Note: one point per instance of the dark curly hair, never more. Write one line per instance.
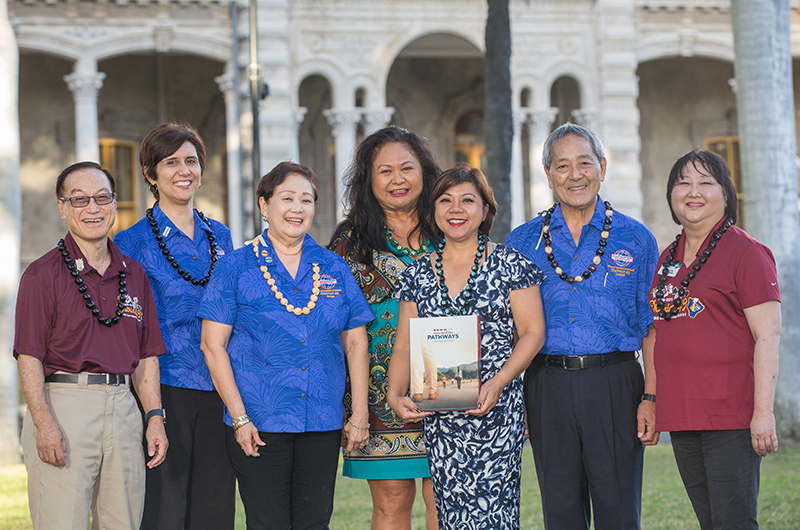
(364, 214)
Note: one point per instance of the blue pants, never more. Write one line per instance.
(583, 433)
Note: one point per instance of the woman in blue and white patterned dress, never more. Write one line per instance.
(474, 456)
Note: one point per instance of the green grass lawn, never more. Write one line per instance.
(664, 502)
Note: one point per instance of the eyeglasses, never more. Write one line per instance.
(82, 201)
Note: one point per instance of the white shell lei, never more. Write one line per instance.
(312, 302)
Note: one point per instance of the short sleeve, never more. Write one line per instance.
(756, 277)
(404, 288)
(33, 318)
(522, 272)
(219, 300)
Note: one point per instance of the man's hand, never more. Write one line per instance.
(157, 442)
(646, 418)
(50, 443)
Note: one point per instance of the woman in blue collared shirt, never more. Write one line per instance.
(279, 320)
(179, 248)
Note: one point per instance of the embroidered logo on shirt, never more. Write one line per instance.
(327, 285)
(131, 307)
(695, 307)
(622, 258)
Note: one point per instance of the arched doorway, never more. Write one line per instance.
(434, 83)
(317, 151)
(565, 94)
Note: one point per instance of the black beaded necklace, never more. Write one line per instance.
(170, 258)
(668, 263)
(82, 288)
(447, 305)
(548, 247)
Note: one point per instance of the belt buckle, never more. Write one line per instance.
(574, 368)
(112, 379)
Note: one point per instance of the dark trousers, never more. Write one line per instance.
(721, 473)
(290, 485)
(195, 487)
(588, 457)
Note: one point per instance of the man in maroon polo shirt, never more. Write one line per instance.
(86, 328)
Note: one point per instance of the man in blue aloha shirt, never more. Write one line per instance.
(584, 390)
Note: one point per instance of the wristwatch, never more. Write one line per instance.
(156, 412)
(649, 397)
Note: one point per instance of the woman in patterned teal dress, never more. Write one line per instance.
(475, 456)
(385, 231)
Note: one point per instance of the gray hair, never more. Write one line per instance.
(566, 130)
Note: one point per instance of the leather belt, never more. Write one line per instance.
(581, 362)
(94, 379)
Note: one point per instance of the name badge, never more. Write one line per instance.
(673, 269)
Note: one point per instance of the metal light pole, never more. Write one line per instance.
(255, 75)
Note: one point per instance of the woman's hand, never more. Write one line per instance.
(404, 407)
(762, 433)
(488, 396)
(354, 438)
(248, 439)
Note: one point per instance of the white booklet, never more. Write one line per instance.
(445, 362)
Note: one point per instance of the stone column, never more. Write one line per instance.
(343, 123)
(84, 83)
(618, 116)
(540, 122)
(233, 144)
(586, 117)
(10, 236)
(517, 185)
(375, 119)
(299, 116)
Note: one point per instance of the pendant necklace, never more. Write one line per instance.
(82, 288)
(171, 259)
(312, 301)
(447, 304)
(598, 253)
(677, 301)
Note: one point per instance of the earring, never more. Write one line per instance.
(264, 218)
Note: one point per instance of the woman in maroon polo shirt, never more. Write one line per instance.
(716, 306)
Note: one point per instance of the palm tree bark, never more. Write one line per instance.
(10, 223)
(768, 149)
(498, 117)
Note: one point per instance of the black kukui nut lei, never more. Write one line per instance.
(82, 288)
(171, 259)
(677, 301)
(598, 253)
(447, 305)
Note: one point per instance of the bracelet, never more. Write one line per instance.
(241, 421)
(649, 397)
(358, 426)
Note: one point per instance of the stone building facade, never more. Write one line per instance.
(653, 77)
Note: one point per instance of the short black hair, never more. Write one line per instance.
(709, 163)
(77, 167)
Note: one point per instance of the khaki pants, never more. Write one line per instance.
(104, 468)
